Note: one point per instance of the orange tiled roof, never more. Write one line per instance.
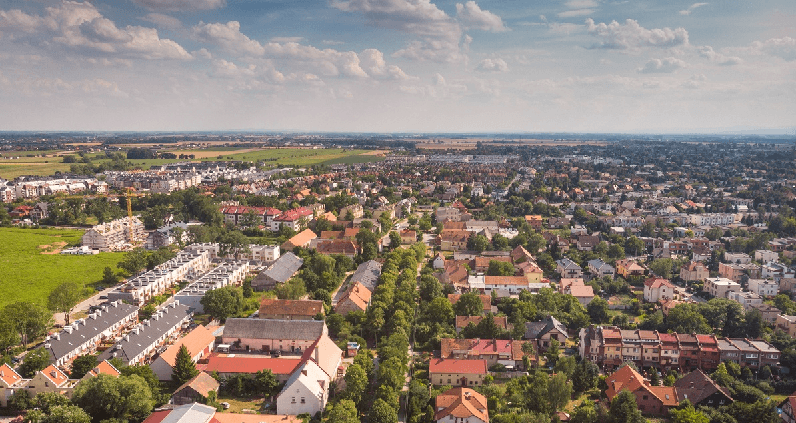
(269, 306)
(195, 341)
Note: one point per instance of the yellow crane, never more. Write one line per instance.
(130, 213)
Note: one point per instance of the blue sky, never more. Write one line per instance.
(398, 65)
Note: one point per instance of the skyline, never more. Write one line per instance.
(384, 66)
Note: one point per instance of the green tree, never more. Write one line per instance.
(634, 245)
(624, 409)
(559, 391)
(686, 318)
(585, 376)
(356, 381)
(344, 411)
(134, 261)
(29, 320)
(294, 289)
(184, 367)
(64, 298)
(109, 277)
(598, 310)
(59, 414)
(108, 397)
(478, 243)
(146, 373)
(82, 365)
(469, 304)
(233, 243)
(686, 413)
(265, 382)
(553, 352)
(500, 268)
(662, 267)
(439, 310)
(223, 302)
(584, 413)
(34, 361)
(395, 239)
(382, 412)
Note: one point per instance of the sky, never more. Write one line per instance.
(649, 66)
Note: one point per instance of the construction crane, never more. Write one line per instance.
(130, 213)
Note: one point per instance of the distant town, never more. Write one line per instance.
(504, 278)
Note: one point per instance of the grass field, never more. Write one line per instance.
(28, 275)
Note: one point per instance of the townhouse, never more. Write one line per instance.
(199, 342)
(227, 274)
(453, 372)
(186, 265)
(494, 351)
(85, 335)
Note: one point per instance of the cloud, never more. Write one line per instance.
(575, 13)
(691, 8)
(581, 4)
(472, 17)
(784, 48)
(667, 65)
(81, 27)
(492, 65)
(630, 35)
(372, 61)
(439, 34)
(181, 5)
(163, 21)
(332, 42)
(287, 39)
(718, 58)
(229, 37)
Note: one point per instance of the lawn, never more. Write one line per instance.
(28, 275)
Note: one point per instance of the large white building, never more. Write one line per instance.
(114, 235)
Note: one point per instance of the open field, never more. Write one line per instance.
(28, 275)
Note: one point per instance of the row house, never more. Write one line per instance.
(143, 342)
(85, 335)
(227, 274)
(186, 265)
(236, 215)
(735, 272)
(609, 347)
(714, 219)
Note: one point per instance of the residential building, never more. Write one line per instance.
(544, 332)
(788, 407)
(296, 219)
(114, 235)
(196, 389)
(454, 239)
(765, 256)
(85, 335)
(461, 405)
(787, 324)
(694, 271)
(448, 213)
(272, 335)
(599, 268)
(50, 379)
(367, 274)
(568, 268)
(272, 308)
(720, 287)
(302, 239)
(140, 344)
(138, 290)
(306, 391)
(280, 272)
(200, 413)
(199, 343)
(454, 372)
(737, 258)
(735, 272)
(167, 235)
(699, 389)
(512, 285)
(494, 351)
(10, 381)
(658, 289)
(344, 247)
(768, 312)
(745, 298)
(627, 268)
(655, 400)
(763, 287)
(463, 321)
(226, 274)
(486, 302)
(234, 364)
(356, 298)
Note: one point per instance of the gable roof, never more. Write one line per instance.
(9, 375)
(486, 301)
(307, 308)
(627, 378)
(696, 386)
(76, 334)
(535, 330)
(305, 330)
(367, 274)
(54, 374)
(104, 367)
(475, 348)
(146, 334)
(243, 364)
(326, 354)
(358, 294)
(254, 418)
(302, 238)
(657, 283)
(448, 365)
(308, 374)
(195, 341)
(463, 321)
(202, 384)
(461, 403)
(284, 267)
(506, 280)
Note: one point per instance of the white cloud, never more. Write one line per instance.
(575, 13)
(332, 42)
(492, 65)
(631, 35)
(287, 39)
(81, 27)
(581, 4)
(439, 33)
(564, 28)
(181, 5)
(229, 37)
(784, 48)
(472, 17)
(372, 61)
(163, 21)
(718, 58)
(667, 65)
(691, 8)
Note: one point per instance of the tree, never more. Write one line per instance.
(356, 382)
(64, 298)
(553, 352)
(108, 397)
(134, 261)
(344, 411)
(29, 320)
(686, 318)
(184, 367)
(223, 302)
(109, 277)
(82, 365)
(477, 243)
(469, 304)
(500, 268)
(584, 413)
(598, 310)
(294, 289)
(624, 409)
(662, 267)
(35, 360)
(685, 413)
(233, 243)
(559, 391)
(634, 245)
(395, 239)
(59, 414)
(265, 382)
(585, 376)
(382, 412)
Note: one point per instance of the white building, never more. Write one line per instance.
(763, 287)
(719, 287)
(765, 256)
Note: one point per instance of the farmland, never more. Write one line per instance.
(28, 275)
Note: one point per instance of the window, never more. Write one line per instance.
(303, 401)
(644, 397)
(449, 381)
(293, 400)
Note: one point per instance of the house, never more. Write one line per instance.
(655, 400)
(448, 213)
(461, 405)
(486, 302)
(768, 312)
(142, 342)
(737, 258)
(453, 239)
(542, 333)
(510, 284)
(599, 268)
(534, 221)
(84, 336)
(167, 235)
(356, 298)
(272, 335)
(788, 407)
(658, 289)
(765, 256)
(337, 246)
(195, 390)
(694, 271)
(200, 413)
(584, 293)
(531, 271)
(463, 321)
(367, 274)
(439, 262)
(301, 239)
(296, 219)
(408, 236)
(199, 343)
(272, 308)
(700, 389)
(763, 287)
(231, 365)
(50, 379)
(443, 371)
(10, 381)
(787, 324)
(307, 391)
(568, 268)
(104, 367)
(280, 272)
(735, 271)
(587, 242)
(481, 263)
(720, 287)
(494, 351)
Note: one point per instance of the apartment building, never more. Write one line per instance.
(720, 287)
(186, 265)
(114, 235)
(227, 274)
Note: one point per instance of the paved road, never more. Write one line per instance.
(83, 306)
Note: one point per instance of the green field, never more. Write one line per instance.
(28, 275)
(10, 169)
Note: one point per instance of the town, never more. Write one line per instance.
(393, 279)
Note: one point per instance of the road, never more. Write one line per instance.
(83, 306)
